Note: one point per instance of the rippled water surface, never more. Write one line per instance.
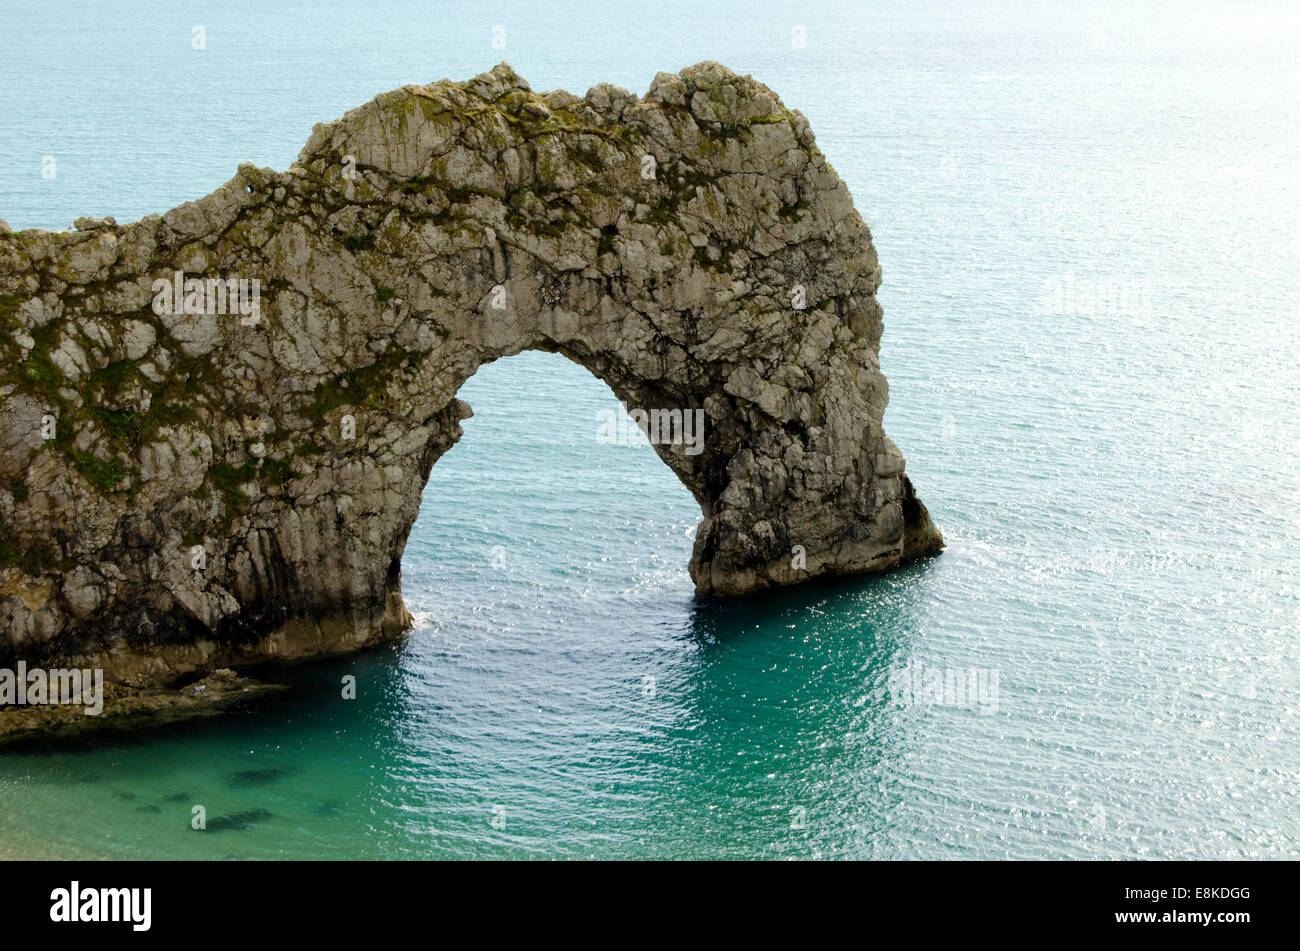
(1087, 224)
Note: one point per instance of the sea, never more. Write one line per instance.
(1086, 216)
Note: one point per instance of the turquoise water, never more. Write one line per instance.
(1087, 224)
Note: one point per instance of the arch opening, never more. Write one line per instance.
(536, 506)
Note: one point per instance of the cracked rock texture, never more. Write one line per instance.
(182, 492)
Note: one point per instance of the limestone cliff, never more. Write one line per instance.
(215, 424)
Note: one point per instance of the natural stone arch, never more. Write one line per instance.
(692, 249)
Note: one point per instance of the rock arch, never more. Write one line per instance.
(230, 485)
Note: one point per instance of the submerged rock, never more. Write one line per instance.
(257, 777)
(129, 708)
(215, 424)
(237, 821)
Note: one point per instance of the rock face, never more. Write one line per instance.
(215, 424)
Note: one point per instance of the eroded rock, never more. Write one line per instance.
(214, 481)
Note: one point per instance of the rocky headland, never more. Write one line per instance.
(215, 423)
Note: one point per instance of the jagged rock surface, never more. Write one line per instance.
(424, 234)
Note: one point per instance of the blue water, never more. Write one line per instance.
(1087, 219)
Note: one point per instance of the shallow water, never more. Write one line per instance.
(1086, 220)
